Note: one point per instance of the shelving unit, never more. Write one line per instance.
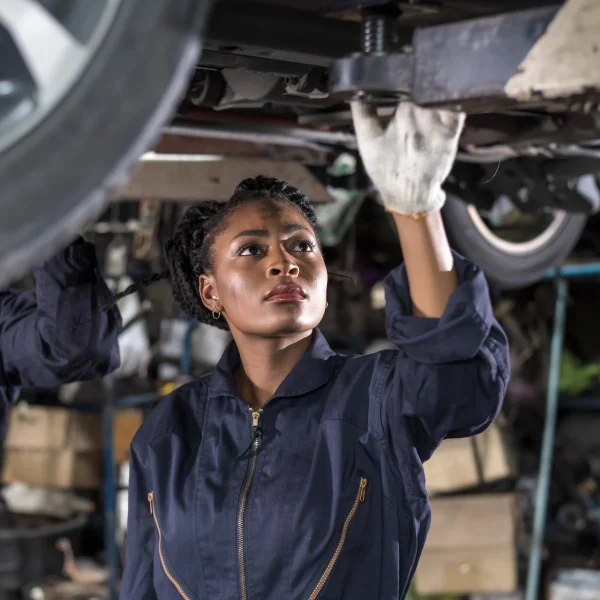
(561, 276)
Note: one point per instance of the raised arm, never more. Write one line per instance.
(408, 160)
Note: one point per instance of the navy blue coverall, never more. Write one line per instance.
(55, 334)
(321, 494)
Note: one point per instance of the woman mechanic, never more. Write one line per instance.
(292, 472)
(56, 334)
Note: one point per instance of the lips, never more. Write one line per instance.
(286, 292)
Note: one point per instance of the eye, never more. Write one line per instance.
(250, 250)
(303, 246)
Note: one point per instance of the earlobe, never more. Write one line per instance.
(208, 293)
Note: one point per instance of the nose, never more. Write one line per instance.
(283, 266)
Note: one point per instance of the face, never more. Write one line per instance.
(269, 277)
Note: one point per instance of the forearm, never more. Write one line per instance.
(428, 261)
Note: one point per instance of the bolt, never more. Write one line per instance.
(374, 34)
(379, 30)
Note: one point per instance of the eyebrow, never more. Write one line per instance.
(288, 229)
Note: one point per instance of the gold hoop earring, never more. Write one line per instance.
(216, 315)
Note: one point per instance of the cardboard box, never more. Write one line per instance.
(53, 447)
(460, 464)
(57, 447)
(125, 425)
(471, 547)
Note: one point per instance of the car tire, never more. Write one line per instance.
(59, 177)
(509, 270)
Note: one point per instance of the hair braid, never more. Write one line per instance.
(188, 256)
(146, 281)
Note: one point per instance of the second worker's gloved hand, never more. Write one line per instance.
(408, 160)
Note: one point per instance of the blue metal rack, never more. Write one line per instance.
(561, 277)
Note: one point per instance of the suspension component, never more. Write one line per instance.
(381, 72)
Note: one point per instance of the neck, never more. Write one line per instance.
(266, 362)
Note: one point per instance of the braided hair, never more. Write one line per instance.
(190, 252)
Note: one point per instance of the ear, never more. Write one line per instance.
(209, 294)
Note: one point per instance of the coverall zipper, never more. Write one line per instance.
(242, 509)
(160, 551)
(360, 497)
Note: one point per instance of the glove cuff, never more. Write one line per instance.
(415, 206)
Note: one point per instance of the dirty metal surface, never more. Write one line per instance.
(565, 61)
(473, 60)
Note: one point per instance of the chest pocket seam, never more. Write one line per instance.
(375, 475)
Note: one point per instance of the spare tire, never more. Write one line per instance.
(57, 174)
(510, 264)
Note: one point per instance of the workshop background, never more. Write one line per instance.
(65, 464)
(516, 510)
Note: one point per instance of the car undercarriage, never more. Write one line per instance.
(279, 73)
(526, 73)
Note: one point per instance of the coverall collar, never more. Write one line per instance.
(313, 370)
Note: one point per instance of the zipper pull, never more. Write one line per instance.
(363, 488)
(255, 417)
(151, 502)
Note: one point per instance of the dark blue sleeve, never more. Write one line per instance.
(137, 583)
(450, 377)
(56, 334)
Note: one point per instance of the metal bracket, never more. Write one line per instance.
(466, 65)
(372, 76)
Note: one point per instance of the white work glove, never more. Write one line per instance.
(410, 159)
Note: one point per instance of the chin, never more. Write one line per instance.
(290, 327)
(284, 319)
(292, 323)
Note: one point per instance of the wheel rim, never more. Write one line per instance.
(46, 46)
(528, 236)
